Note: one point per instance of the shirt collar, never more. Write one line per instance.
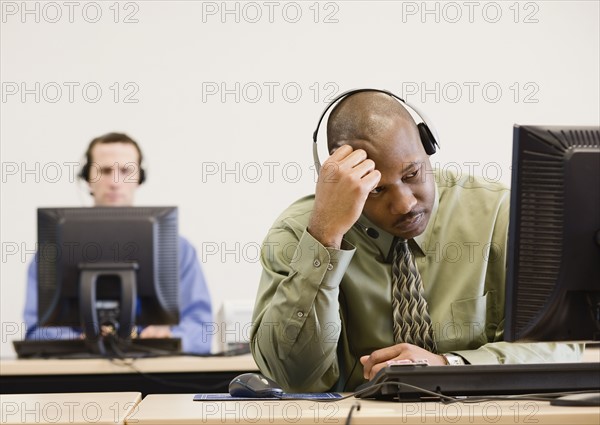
(386, 241)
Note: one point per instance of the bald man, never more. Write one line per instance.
(323, 318)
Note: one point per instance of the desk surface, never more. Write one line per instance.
(73, 408)
(181, 409)
(175, 364)
(148, 376)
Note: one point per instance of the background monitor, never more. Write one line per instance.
(107, 265)
(553, 280)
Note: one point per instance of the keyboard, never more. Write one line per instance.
(481, 380)
(77, 348)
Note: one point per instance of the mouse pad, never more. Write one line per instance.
(285, 396)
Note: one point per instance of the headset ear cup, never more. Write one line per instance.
(427, 139)
(84, 173)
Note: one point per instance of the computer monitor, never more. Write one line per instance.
(553, 280)
(115, 266)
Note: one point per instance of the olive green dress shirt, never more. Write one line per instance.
(319, 309)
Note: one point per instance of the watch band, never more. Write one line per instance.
(453, 359)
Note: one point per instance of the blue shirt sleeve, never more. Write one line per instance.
(195, 323)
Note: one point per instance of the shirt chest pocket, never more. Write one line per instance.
(471, 321)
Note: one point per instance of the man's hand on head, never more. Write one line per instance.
(379, 358)
(345, 180)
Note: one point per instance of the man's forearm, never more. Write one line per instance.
(520, 353)
(300, 357)
(296, 322)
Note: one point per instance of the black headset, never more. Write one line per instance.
(84, 174)
(426, 129)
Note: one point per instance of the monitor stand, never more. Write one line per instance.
(120, 317)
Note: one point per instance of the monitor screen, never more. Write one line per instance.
(553, 278)
(115, 266)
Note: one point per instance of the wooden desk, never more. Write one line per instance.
(206, 374)
(591, 354)
(150, 375)
(73, 408)
(181, 409)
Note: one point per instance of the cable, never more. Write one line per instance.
(419, 389)
(449, 400)
(445, 398)
(150, 351)
(368, 389)
(476, 399)
(354, 406)
(122, 360)
(520, 397)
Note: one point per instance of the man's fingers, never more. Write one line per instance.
(375, 369)
(346, 156)
(385, 354)
(364, 167)
(340, 153)
(378, 358)
(356, 157)
(371, 179)
(370, 370)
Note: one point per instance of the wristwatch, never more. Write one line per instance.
(453, 359)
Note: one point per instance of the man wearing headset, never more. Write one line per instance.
(323, 317)
(113, 173)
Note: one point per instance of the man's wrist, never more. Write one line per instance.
(453, 359)
(326, 240)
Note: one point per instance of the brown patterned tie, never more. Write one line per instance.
(412, 323)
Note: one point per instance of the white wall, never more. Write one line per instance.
(546, 65)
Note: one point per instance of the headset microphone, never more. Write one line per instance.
(368, 230)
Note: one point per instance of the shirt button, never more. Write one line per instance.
(317, 263)
(330, 267)
(300, 314)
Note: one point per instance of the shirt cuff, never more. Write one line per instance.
(453, 359)
(477, 356)
(330, 264)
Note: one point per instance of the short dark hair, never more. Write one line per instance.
(109, 138)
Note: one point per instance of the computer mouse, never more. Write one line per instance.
(254, 385)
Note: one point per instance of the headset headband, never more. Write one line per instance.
(427, 131)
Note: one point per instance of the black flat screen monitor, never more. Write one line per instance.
(553, 280)
(115, 266)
